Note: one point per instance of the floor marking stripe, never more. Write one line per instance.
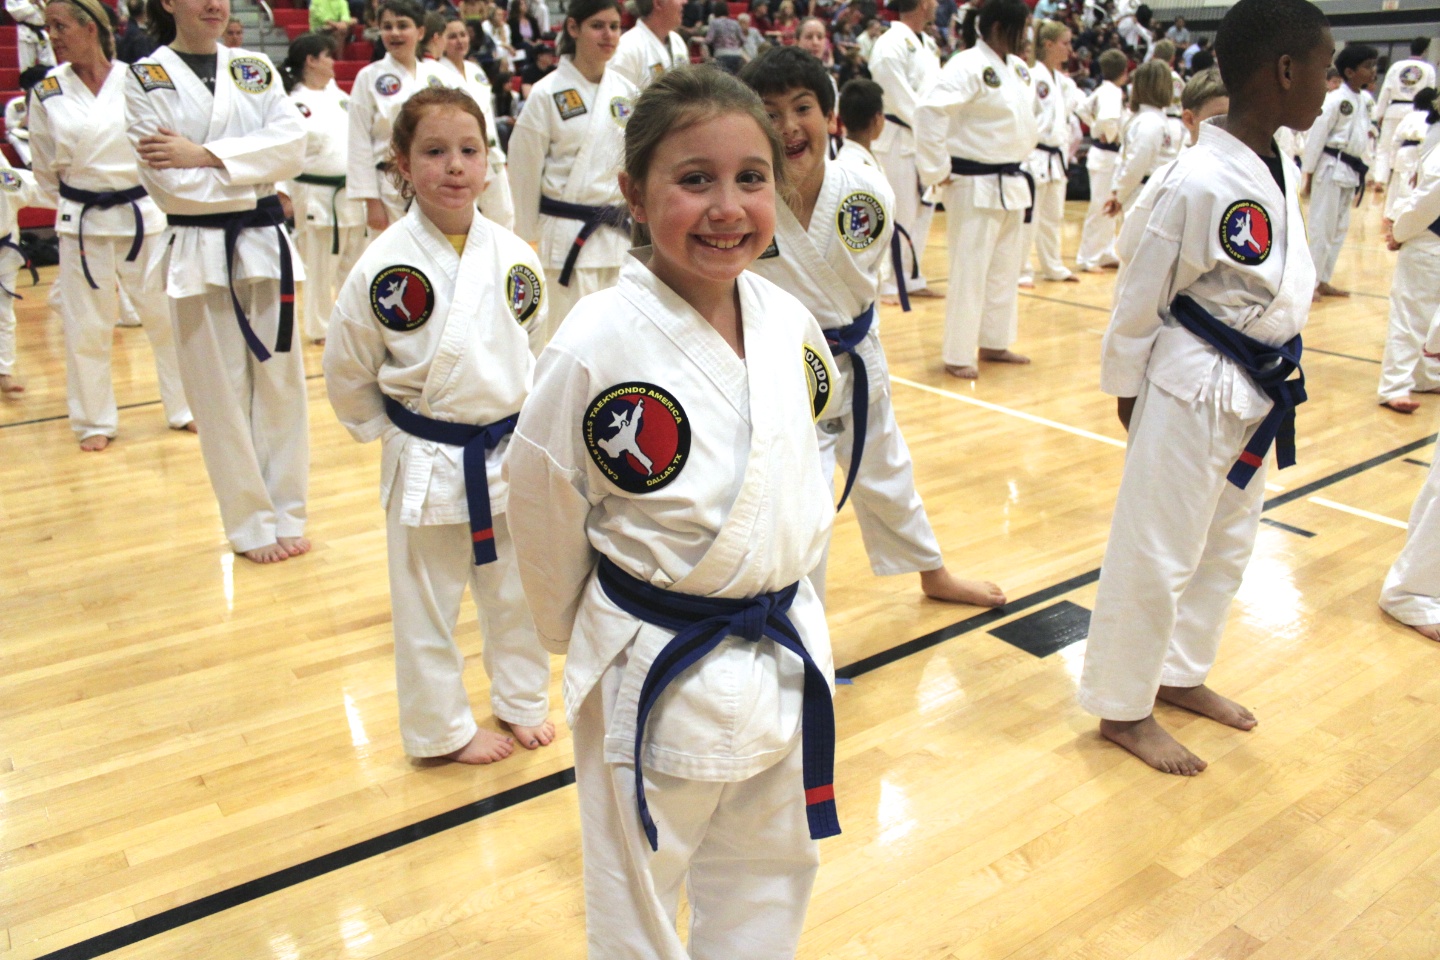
(996, 408)
(1357, 512)
(123, 406)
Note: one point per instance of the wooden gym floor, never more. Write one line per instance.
(199, 756)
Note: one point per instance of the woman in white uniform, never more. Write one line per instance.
(17, 189)
(1414, 293)
(973, 131)
(1058, 97)
(565, 156)
(214, 133)
(1150, 140)
(455, 71)
(107, 224)
(329, 225)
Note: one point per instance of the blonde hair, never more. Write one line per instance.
(91, 11)
(1049, 31)
(1202, 88)
(1152, 85)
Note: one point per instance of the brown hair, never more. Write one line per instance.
(1202, 88)
(1164, 50)
(402, 132)
(1113, 64)
(91, 11)
(1152, 85)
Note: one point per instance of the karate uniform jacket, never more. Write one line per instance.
(18, 189)
(1415, 214)
(641, 56)
(1403, 81)
(1215, 228)
(326, 117)
(254, 130)
(1405, 149)
(377, 95)
(855, 156)
(834, 267)
(1345, 125)
(906, 66)
(1058, 97)
(1103, 112)
(569, 144)
(465, 357)
(732, 504)
(78, 138)
(1151, 140)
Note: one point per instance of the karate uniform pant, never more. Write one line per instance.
(893, 524)
(9, 276)
(1179, 543)
(1329, 220)
(742, 850)
(324, 271)
(1044, 233)
(583, 282)
(1388, 123)
(254, 433)
(497, 203)
(1412, 589)
(89, 317)
(1414, 299)
(32, 50)
(429, 569)
(1097, 236)
(981, 301)
(910, 213)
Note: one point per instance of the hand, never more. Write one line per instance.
(286, 206)
(167, 150)
(1125, 407)
(1112, 206)
(1305, 188)
(376, 217)
(1387, 233)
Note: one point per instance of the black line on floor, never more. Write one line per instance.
(1346, 356)
(125, 406)
(223, 900)
(1418, 463)
(1068, 303)
(1286, 527)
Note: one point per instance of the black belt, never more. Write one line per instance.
(266, 213)
(95, 200)
(336, 183)
(974, 168)
(7, 242)
(1411, 143)
(896, 120)
(1107, 147)
(593, 219)
(845, 340)
(1354, 163)
(1056, 154)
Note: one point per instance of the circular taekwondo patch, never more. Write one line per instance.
(1346, 108)
(638, 435)
(991, 78)
(523, 291)
(1023, 74)
(401, 298)
(1042, 89)
(860, 220)
(820, 379)
(251, 74)
(387, 84)
(1245, 232)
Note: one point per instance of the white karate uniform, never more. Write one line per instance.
(1344, 124)
(253, 429)
(495, 202)
(983, 108)
(1403, 81)
(468, 361)
(1182, 533)
(834, 269)
(1102, 112)
(743, 512)
(1412, 588)
(642, 56)
(1151, 140)
(33, 42)
(1414, 289)
(1405, 148)
(906, 66)
(569, 145)
(1058, 97)
(79, 139)
(859, 157)
(377, 95)
(17, 132)
(17, 189)
(323, 213)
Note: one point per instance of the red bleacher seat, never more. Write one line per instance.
(361, 50)
(281, 4)
(33, 218)
(287, 17)
(888, 14)
(7, 35)
(738, 8)
(293, 30)
(347, 69)
(7, 95)
(10, 155)
(9, 78)
(9, 56)
(345, 84)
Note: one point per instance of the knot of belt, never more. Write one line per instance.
(104, 200)
(336, 183)
(267, 213)
(7, 242)
(591, 218)
(1055, 154)
(476, 442)
(1361, 168)
(844, 340)
(974, 168)
(700, 624)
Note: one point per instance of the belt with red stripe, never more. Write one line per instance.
(267, 213)
(591, 219)
(700, 623)
(476, 441)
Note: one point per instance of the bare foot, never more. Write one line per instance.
(1208, 703)
(485, 747)
(1070, 278)
(188, 428)
(94, 444)
(1325, 290)
(271, 553)
(925, 293)
(532, 737)
(1027, 284)
(890, 301)
(1152, 743)
(293, 546)
(1403, 405)
(1003, 356)
(1430, 631)
(8, 384)
(941, 584)
(964, 373)
(1315, 297)
(320, 342)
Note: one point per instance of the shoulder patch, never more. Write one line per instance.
(1346, 108)
(991, 78)
(48, 87)
(1245, 233)
(152, 76)
(434, 83)
(569, 103)
(657, 70)
(820, 379)
(401, 298)
(387, 84)
(251, 74)
(524, 291)
(860, 220)
(638, 435)
(304, 110)
(1023, 74)
(771, 251)
(345, 104)
(10, 181)
(620, 108)
(1042, 89)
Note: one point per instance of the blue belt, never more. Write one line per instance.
(267, 213)
(699, 624)
(92, 200)
(1411, 143)
(593, 219)
(476, 441)
(1434, 228)
(897, 262)
(973, 168)
(7, 242)
(844, 340)
(336, 184)
(1354, 163)
(1270, 368)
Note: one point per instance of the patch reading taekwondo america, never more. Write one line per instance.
(152, 76)
(387, 84)
(1245, 233)
(638, 435)
(991, 78)
(47, 88)
(401, 298)
(820, 379)
(434, 83)
(1346, 108)
(1023, 74)
(10, 181)
(569, 104)
(620, 108)
(523, 292)
(860, 220)
(251, 74)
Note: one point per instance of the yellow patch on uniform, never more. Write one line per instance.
(47, 88)
(820, 379)
(152, 77)
(569, 103)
